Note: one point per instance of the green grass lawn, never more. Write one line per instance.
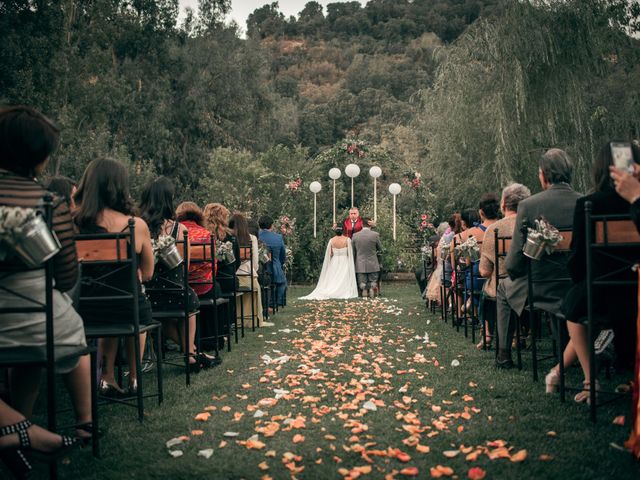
(337, 356)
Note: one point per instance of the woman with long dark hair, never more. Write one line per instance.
(240, 227)
(104, 206)
(157, 209)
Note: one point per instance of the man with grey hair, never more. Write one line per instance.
(556, 204)
(512, 195)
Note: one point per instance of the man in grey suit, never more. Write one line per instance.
(366, 245)
(556, 204)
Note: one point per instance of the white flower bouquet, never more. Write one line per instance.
(426, 253)
(28, 235)
(469, 249)
(542, 239)
(13, 221)
(263, 254)
(224, 252)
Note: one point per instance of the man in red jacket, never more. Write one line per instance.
(353, 224)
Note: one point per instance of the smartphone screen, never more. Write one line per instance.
(622, 156)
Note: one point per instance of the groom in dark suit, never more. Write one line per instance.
(556, 204)
(366, 245)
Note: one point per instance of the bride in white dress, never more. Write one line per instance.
(338, 276)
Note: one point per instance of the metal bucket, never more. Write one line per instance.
(474, 255)
(534, 248)
(171, 257)
(37, 243)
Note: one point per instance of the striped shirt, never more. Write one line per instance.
(19, 191)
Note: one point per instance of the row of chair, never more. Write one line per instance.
(104, 255)
(606, 235)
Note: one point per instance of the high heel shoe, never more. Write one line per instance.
(109, 390)
(552, 380)
(16, 463)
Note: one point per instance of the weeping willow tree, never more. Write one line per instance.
(536, 75)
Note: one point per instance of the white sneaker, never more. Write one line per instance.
(267, 324)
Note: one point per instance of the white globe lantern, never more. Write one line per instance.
(375, 171)
(352, 170)
(395, 189)
(315, 187)
(334, 173)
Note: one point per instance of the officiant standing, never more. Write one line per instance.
(353, 224)
(366, 246)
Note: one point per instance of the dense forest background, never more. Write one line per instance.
(466, 93)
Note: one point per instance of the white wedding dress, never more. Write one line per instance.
(338, 276)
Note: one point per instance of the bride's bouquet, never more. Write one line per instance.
(224, 252)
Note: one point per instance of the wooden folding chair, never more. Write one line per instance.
(102, 256)
(608, 237)
(559, 259)
(49, 355)
(181, 309)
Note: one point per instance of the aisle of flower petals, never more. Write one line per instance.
(346, 391)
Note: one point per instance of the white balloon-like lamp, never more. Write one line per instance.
(375, 172)
(334, 174)
(315, 187)
(352, 170)
(394, 189)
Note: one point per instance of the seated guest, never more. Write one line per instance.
(512, 195)
(275, 244)
(104, 206)
(216, 220)
(432, 292)
(556, 204)
(156, 208)
(190, 215)
(615, 306)
(27, 139)
(64, 187)
(240, 227)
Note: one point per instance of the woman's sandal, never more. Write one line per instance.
(15, 458)
(480, 345)
(583, 396)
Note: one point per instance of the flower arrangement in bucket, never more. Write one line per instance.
(469, 249)
(166, 251)
(263, 254)
(224, 252)
(541, 239)
(26, 232)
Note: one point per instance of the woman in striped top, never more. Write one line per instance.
(27, 138)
